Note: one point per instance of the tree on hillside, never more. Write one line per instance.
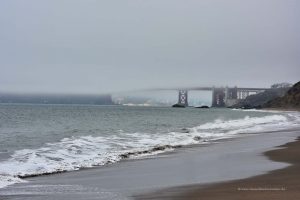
(281, 85)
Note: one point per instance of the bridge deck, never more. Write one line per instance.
(212, 88)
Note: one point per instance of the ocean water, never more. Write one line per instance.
(43, 139)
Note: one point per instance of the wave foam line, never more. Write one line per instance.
(71, 154)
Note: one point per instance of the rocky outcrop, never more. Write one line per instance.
(202, 107)
(178, 106)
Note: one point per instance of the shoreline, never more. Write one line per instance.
(281, 109)
(221, 161)
(276, 184)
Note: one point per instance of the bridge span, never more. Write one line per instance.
(221, 96)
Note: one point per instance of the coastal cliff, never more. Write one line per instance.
(257, 100)
(291, 100)
(274, 98)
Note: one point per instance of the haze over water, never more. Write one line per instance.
(92, 47)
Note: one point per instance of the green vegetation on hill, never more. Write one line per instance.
(291, 100)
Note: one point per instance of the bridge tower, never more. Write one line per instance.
(218, 97)
(231, 96)
(183, 98)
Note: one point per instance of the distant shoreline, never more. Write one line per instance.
(282, 109)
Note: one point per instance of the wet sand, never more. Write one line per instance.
(276, 185)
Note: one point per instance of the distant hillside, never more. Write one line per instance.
(256, 101)
(291, 100)
(56, 99)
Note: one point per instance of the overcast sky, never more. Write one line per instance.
(95, 46)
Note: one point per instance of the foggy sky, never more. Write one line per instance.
(94, 46)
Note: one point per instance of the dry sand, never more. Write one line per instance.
(276, 185)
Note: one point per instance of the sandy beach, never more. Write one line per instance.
(278, 184)
(175, 175)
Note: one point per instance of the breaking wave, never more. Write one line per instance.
(75, 153)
